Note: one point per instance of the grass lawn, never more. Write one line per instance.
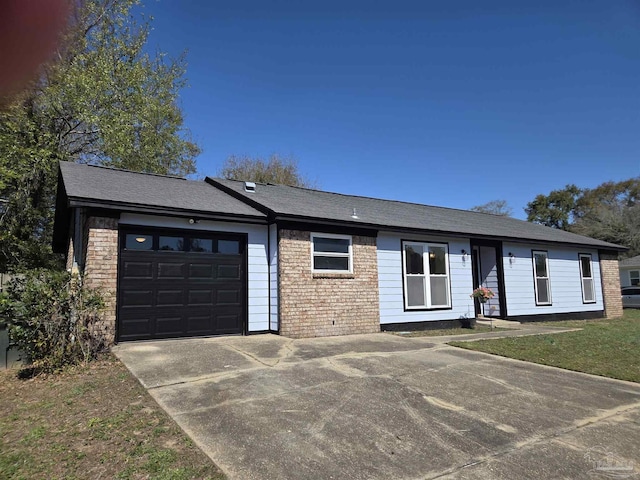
(91, 422)
(610, 348)
(450, 331)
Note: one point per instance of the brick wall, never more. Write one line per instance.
(611, 284)
(317, 305)
(101, 269)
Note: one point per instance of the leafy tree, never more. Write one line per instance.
(495, 207)
(103, 101)
(276, 169)
(609, 212)
(554, 210)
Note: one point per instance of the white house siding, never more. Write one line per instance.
(390, 280)
(625, 275)
(564, 277)
(257, 257)
(273, 276)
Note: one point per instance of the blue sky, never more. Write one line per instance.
(451, 103)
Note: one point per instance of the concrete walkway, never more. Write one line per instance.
(383, 406)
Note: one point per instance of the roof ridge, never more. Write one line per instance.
(367, 197)
(401, 202)
(151, 174)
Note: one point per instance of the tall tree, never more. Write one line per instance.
(494, 207)
(275, 169)
(554, 210)
(103, 101)
(609, 212)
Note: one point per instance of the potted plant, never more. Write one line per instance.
(483, 294)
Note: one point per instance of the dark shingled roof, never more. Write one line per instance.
(302, 203)
(122, 188)
(631, 262)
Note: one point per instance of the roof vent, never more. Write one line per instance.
(354, 215)
(249, 187)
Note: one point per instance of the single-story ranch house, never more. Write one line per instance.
(182, 258)
(630, 271)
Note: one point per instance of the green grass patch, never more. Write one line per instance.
(443, 332)
(92, 422)
(609, 348)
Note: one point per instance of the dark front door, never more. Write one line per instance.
(180, 284)
(488, 271)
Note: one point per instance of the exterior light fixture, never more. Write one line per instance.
(464, 254)
(512, 258)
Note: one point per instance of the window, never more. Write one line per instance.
(634, 277)
(229, 247)
(426, 275)
(541, 277)
(134, 241)
(204, 245)
(331, 253)
(175, 244)
(588, 290)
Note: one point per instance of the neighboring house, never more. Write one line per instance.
(183, 258)
(630, 271)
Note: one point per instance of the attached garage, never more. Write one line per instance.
(180, 283)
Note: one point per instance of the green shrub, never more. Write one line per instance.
(52, 318)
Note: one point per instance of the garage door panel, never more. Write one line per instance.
(164, 293)
(171, 270)
(228, 272)
(200, 297)
(200, 324)
(137, 298)
(202, 271)
(226, 323)
(137, 270)
(169, 325)
(135, 328)
(170, 298)
(228, 296)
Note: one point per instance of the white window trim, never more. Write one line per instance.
(427, 275)
(631, 280)
(536, 277)
(332, 254)
(583, 278)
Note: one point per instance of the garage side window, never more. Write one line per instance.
(331, 253)
(171, 244)
(542, 284)
(588, 290)
(426, 275)
(135, 241)
(204, 245)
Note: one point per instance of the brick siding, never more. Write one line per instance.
(318, 305)
(611, 284)
(101, 269)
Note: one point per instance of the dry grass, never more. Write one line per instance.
(91, 422)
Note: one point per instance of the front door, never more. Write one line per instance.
(487, 268)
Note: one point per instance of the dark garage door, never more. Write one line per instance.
(180, 284)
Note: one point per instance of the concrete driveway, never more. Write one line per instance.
(387, 407)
